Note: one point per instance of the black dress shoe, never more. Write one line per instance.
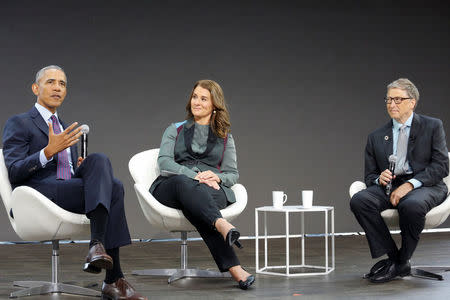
(378, 268)
(233, 238)
(243, 285)
(404, 269)
(392, 272)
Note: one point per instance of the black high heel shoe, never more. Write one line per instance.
(243, 285)
(233, 237)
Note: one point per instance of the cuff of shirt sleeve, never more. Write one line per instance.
(416, 183)
(43, 159)
(377, 181)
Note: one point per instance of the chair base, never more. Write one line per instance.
(418, 271)
(175, 274)
(45, 287)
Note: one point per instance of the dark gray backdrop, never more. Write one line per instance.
(305, 82)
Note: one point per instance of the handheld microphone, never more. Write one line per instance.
(84, 140)
(392, 161)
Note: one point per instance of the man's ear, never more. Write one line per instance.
(35, 88)
(415, 103)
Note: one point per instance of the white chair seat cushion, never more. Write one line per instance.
(38, 219)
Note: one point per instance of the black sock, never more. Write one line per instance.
(393, 256)
(401, 257)
(99, 222)
(116, 272)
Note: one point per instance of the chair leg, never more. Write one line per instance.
(45, 287)
(418, 271)
(184, 271)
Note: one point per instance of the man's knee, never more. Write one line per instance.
(118, 187)
(358, 201)
(412, 210)
(98, 158)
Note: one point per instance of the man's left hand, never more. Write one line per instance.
(400, 192)
(80, 160)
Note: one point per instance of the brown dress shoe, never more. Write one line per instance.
(121, 289)
(97, 259)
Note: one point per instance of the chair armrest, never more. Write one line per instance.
(355, 187)
(235, 209)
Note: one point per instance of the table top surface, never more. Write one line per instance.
(294, 208)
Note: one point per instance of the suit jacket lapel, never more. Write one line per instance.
(387, 140)
(414, 131)
(38, 120)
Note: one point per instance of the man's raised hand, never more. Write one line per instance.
(63, 140)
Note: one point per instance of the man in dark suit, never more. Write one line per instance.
(422, 162)
(40, 151)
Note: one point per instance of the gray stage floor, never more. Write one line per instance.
(26, 262)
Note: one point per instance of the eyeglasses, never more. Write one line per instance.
(397, 100)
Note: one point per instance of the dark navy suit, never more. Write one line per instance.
(427, 155)
(92, 183)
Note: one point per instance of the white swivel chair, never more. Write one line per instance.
(36, 218)
(144, 170)
(433, 218)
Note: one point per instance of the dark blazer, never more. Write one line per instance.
(427, 151)
(24, 136)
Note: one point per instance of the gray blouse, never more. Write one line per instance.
(166, 160)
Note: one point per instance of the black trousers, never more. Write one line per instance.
(368, 204)
(201, 205)
(92, 184)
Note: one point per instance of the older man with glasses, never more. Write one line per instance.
(414, 187)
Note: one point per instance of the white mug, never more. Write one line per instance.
(307, 198)
(279, 198)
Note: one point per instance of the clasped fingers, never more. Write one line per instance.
(208, 175)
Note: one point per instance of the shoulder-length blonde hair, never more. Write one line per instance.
(220, 119)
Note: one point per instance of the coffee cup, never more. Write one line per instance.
(307, 198)
(279, 198)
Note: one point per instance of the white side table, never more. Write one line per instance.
(286, 210)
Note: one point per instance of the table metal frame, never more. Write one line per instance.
(287, 210)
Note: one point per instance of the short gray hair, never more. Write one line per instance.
(41, 72)
(405, 85)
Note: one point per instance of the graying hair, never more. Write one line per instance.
(41, 72)
(405, 85)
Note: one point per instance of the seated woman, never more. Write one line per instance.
(197, 160)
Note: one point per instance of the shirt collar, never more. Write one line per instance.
(45, 113)
(397, 125)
